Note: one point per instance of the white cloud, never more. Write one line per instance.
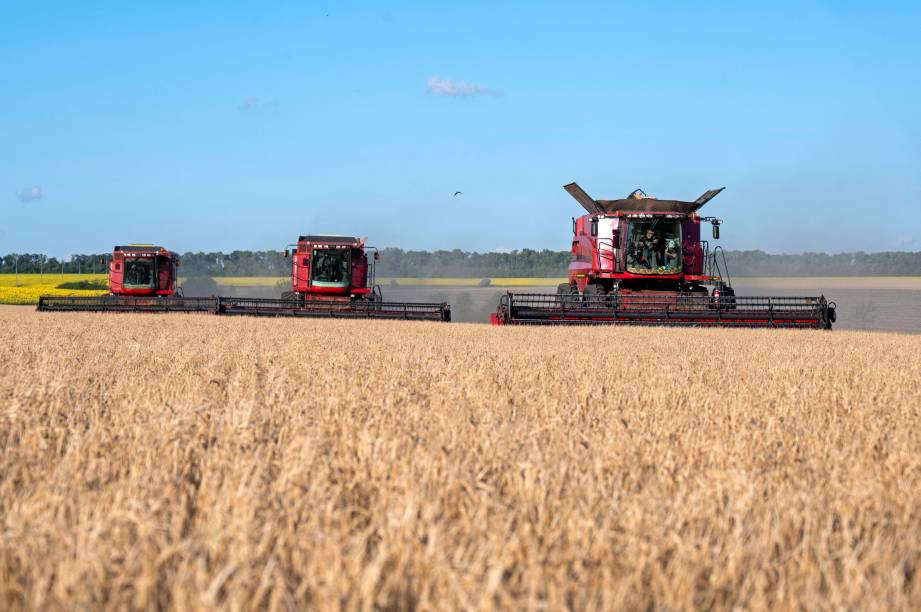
(248, 103)
(30, 195)
(255, 104)
(456, 89)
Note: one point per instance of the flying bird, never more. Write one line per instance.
(456, 193)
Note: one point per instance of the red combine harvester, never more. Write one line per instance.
(332, 268)
(142, 278)
(331, 276)
(640, 260)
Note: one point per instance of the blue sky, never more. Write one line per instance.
(221, 126)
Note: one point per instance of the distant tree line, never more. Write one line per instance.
(29, 263)
(457, 263)
(888, 263)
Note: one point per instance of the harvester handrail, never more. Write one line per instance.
(719, 249)
(607, 255)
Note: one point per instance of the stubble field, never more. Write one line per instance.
(196, 462)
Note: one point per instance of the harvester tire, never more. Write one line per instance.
(612, 300)
(592, 296)
(568, 295)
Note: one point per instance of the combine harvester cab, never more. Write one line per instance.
(334, 276)
(142, 278)
(641, 261)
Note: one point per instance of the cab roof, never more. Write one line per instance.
(139, 248)
(644, 204)
(331, 239)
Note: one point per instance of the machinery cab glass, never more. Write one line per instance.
(653, 246)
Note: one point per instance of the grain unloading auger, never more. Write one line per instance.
(331, 277)
(640, 261)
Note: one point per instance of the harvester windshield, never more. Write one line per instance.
(139, 274)
(654, 246)
(330, 268)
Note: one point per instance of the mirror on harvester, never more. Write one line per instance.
(287, 254)
(716, 231)
(377, 256)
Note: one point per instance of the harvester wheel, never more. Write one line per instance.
(593, 296)
(568, 295)
(694, 298)
(723, 297)
(612, 300)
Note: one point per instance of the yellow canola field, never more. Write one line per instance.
(26, 288)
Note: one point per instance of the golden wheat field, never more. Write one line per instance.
(195, 462)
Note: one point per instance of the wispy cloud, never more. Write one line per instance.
(254, 103)
(30, 195)
(908, 243)
(456, 89)
(248, 103)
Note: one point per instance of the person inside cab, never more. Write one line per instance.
(137, 273)
(646, 250)
(671, 252)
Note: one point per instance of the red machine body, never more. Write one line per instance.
(639, 244)
(142, 270)
(331, 268)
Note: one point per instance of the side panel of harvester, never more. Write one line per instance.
(300, 271)
(583, 261)
(692, 249)
(360, 273)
